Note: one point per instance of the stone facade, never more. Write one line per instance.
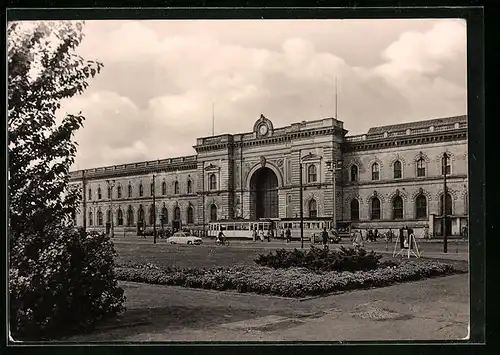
(216, 182)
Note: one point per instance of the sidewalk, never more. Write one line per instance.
(432, 309)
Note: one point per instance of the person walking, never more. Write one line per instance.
(324, 236)
(358, 240)
(261, 235)
(288, 235)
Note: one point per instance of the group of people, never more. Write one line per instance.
(260, 235)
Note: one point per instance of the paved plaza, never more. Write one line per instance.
(431, 309)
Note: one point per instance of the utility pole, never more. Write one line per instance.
(154, 209)
(111, 185)
(84, 202)
(301, 207)
(445, 194)
(334, 181)
(333, 167)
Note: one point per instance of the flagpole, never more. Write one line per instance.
(336, 99)
(213, 118)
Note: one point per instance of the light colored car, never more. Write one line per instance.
(183, 238)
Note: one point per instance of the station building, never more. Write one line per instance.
(389, 177)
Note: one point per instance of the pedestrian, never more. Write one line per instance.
(270, 235)
(261, 235)
(324, 236)
(358, 240)
(255, 235)
(369, 236)
(282, 234)
(375, 235)
(288, 235)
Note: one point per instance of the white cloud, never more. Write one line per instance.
(154, 96)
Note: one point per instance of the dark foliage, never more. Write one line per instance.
(316, 259)
(59, 278)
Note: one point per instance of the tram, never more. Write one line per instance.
(240, 229)
(244, 229)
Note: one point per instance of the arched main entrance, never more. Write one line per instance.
(264, 194)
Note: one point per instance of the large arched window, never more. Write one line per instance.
(164, 215)
(449, 207)
(213, 182)
(189, 186)
(213, 212)
(99, 218)
(176, 187)
(119, 191)
(163, 188)
(140, 215)
(152, 215)
(311, 173)
(313, 209)
(108, 216)
(354, 210)
(397, 208)
(375, 208)
(99, 193)
(375, 171)
(91, 221)
(421, 167)
(120, 217)
(177, 213)
(109, 192)
(129, 190)
(152, 189)
(141, 190)
(421, 206)
(354, 173)
(90, 193)
(190, 215)
(130, 216)
(398, 170)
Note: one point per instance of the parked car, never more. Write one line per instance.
(183, 238)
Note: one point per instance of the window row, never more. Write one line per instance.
(129, 218)
(397, 208)
(397, 170)
(129, 221)
(119, 192)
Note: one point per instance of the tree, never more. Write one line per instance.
(57, 275)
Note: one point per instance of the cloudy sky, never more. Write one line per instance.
(155, 94)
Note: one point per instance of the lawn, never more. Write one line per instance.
(234, 268)
(204, 256)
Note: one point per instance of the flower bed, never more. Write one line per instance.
(292, 282)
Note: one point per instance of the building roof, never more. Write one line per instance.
(418, 124)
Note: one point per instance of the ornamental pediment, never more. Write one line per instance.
(311, 157)
(212, 167)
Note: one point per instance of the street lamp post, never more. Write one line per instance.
(111, 184)
(84, 187)
(333, 167)
(445, 193)
(154, 209)
(301, 208)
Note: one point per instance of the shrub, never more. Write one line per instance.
(70, 286)
(342, 259)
